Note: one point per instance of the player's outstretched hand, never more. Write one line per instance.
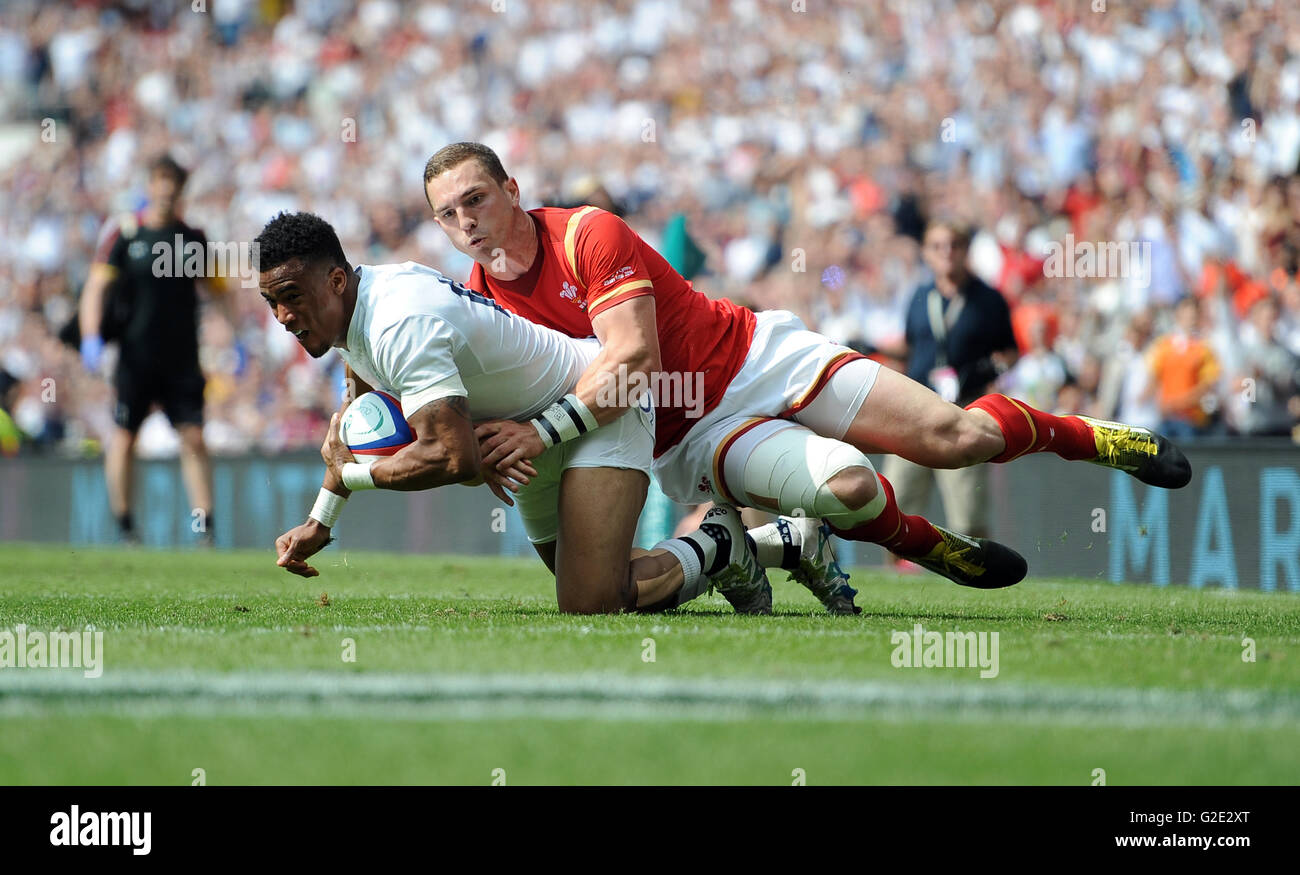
(504, 443)
(296, 546)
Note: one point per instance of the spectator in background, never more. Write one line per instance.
(1267, 392)
(1129, 129)
(958, 338)
(1039, 374)
(1070, 398)
(1087, 381)
(1289, 319)
(158, 359)
(1186, 372)
(1126, 390)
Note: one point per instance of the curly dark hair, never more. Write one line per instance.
(298, 235)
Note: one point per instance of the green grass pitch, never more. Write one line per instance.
(437, 669)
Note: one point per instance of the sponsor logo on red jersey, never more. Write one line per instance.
(621, 274)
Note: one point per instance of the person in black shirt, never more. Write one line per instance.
(158, 360)
(959, 338)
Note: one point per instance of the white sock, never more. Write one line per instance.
(710, 547)
(702, 553)
(711, 544)
(689, 557)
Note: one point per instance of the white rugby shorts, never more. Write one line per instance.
(787, 368)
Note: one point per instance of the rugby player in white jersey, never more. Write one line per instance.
(452, 356)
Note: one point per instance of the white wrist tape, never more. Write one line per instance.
(327, 508)
(564, 420)
(357, 476)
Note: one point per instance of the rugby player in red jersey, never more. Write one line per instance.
(787, 415)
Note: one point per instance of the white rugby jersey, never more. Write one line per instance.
(421, 336)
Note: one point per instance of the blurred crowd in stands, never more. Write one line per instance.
(800, 146)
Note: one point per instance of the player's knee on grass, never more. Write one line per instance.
(583, 588)
(611, 596)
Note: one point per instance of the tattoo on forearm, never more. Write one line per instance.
(459, 405)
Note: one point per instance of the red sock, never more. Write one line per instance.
(1027, 430)
(904, 534)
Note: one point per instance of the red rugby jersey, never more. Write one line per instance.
(589, 260)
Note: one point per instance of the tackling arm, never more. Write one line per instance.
(629, 345)
(629, 341)
(619, 294)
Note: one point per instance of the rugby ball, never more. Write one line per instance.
(373, 426)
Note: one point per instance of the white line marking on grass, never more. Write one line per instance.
(454, 625)
(467, 696)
